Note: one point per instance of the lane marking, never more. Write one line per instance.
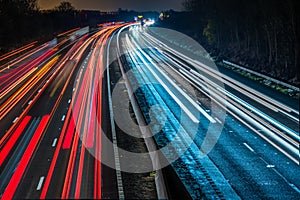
(13, 139)
(63, 118)
(39, 186)
(177, 100)
(219, 121)
(248, 147)
(15, 120)
(69, 101)
(176, 87)
(289, 183)
(263, 160)
(270, 166)
(274, 169)
(23, 164)
(113, 130)
(54, 142)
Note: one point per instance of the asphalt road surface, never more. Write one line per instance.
(61, 122)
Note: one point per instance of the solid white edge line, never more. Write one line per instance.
(113, 128)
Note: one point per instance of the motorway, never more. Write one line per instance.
(56, 93)
(61, 121)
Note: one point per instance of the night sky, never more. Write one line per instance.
(111, 5)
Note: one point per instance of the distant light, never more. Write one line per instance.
(149, 22)
(161, 16)
(135, 18)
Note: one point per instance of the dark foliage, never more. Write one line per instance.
(263, 34)
(22, 22)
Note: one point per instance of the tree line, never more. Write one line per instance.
(263, 34)
(21, 22)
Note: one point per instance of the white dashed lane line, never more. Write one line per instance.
(39, 186)
(248, 147)
(15, 120)
(54, 142)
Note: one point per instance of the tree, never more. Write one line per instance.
(65, 6)
(17, 7)
(263, 34)
(210, 32)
